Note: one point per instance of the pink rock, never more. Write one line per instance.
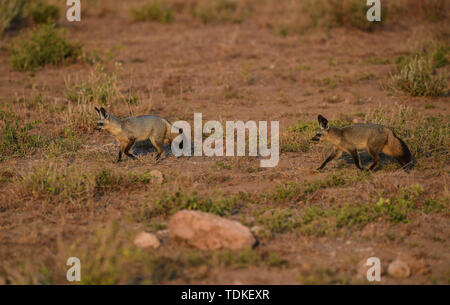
(209, 232)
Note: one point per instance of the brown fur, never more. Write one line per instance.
(374, 138)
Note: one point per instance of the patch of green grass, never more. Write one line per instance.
(349, 13)
(156, 12)
(67, 141)
(44, 13)
(223, 165)
(76, 184)
(220, 11)
(107, 179)
(16, 138)
(335, 180)
(51, 179)
(277, 221)
(374, 60)
(297, 138)
(295, 191)
(44, 46)
(169, 204)
(330, 82)
(398, 209)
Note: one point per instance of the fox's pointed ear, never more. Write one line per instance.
(323, 122)
(104, 113)
(98, 112)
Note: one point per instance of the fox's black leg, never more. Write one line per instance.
(332, 156)
(355, 156)
(376, 159)
(128, 147)
(121, 151)
(159, 149)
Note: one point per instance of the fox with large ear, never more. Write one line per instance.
(130, 130)
(374, 138)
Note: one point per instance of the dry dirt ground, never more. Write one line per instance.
(226, 71)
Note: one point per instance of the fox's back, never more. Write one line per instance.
(360, 134)
(139, 127)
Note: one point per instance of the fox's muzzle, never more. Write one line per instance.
(99, 126)
(316, 138)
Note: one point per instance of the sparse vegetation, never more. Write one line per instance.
(44, 13)
(62, 194)
(11, 12)
(44, 46)
(276, 221)
(418, 78)
(220, 11)
(16, 139)
(168, 204)
(350, 13)
(399, 209)
(156, 11)
(101, 89)
(75, 183)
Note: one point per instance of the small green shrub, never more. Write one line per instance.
(107, 179)
(351, 13)
(44, 13)
(170, 204)
(220, 11)
(157, 12)
(11, 11)
(277, 220)
(297, 138)
(51, 179)
(45, 46)
(419, 79)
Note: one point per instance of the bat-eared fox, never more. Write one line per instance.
(129, 130)
(374, 138)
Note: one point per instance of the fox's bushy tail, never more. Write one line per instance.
(169, 136)
(398, 149)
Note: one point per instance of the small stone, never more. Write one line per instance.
(209, 232)
(157, 176)
(399, 269)
(146, 240)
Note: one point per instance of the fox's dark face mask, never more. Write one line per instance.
(317, 136)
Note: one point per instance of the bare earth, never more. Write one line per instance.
(225, 71)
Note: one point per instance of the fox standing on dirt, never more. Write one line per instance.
(129, 130)
(373, 137)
